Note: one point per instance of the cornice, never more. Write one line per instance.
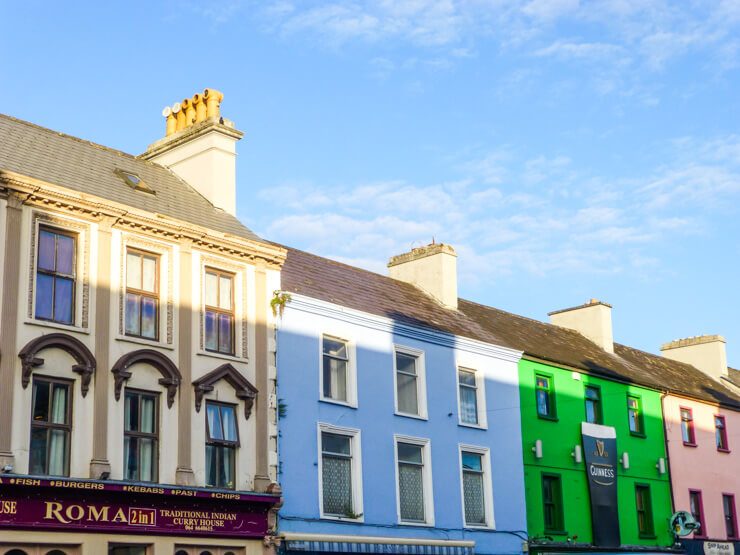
(41, 193)
(387, 325)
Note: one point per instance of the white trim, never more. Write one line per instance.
(598, 430)
(351, 377)
(356, 469)
(480, 397)
(300, 536)
(371, 321)
(421, 382)
(428, 493)
(487, 486)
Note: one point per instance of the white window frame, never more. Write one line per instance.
(487, 486)
(421, 382)
(480, 397)
(426, 454)
(356, 454)
(351, 369)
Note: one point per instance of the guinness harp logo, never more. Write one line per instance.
(600, 449)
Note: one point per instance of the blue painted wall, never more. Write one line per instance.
(298, 356)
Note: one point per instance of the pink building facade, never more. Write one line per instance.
(704, 448)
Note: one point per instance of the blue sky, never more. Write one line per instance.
(567, 149)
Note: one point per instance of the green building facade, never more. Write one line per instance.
(554, 403)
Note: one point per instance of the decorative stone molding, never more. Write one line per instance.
(170, 379)
(272, 515)
(71, 345)
(244, 390)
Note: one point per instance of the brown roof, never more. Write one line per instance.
(338, 283)
(67, 161)
(734, 376)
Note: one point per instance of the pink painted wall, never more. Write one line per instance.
(703, 467)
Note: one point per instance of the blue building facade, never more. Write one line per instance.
(395, 438)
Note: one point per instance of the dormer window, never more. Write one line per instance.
(133, 181)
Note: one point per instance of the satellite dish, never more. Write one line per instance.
(683, 523)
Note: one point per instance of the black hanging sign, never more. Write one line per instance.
(600, 451)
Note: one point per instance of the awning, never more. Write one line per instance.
(369, 544)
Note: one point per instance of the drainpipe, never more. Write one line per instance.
(667, 451)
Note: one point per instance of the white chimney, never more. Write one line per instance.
(705, 352)
(592, 320)
(200, 147)
(433, 269)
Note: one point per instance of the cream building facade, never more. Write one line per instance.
(137, 349)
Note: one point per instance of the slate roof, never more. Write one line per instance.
(733, 376)
(334, 282)
(73, 163)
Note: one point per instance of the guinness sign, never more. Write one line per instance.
(600, 453)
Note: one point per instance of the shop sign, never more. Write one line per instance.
(600, 452)
(123, 508)
(719, 548)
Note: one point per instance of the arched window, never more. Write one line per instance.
(16, 552)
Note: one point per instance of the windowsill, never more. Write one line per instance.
(648, 536)
(142, 341)
(339, 518)
(474, 426)
(690, 444)
(547, 417)
(407, 415)
(638, 434)
(478, 527)
(557, 532)
(221, 356)
(416, 524)
(56, 325)
(723, 450)
(340, 403)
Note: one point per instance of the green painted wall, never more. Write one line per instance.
(559, 437)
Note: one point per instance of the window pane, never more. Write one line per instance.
(590, 412)
(65, 254)
(211, 331)
(543, 382)
(228, 417)
(149, 274)
(46, 250)
(475, 505)
(131, 457)
(335, 379)
(59, 404)
(226, 471)
(472, 461)
(411, 490)
(148, 317)
(334, 347)
(148, 414)
(633, 420)
(211, 289)
(131, 412)
(37, 458)
(63, 300)
(44, 296)
(211, 465)
(225, 293)
(133, 270)
(133, 306)
(592, 393)
(410, 453)
(337, 485)
(405, 363)
(41, 401)
(467, 378)
(468, 405)
(214, 422)
(407, 401)
(543, 403)
(58, 448)
(333, 443)
(224, 334)
(147, 457)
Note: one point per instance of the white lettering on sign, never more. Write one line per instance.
(719, 548)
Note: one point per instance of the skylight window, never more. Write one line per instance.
(133, 181)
